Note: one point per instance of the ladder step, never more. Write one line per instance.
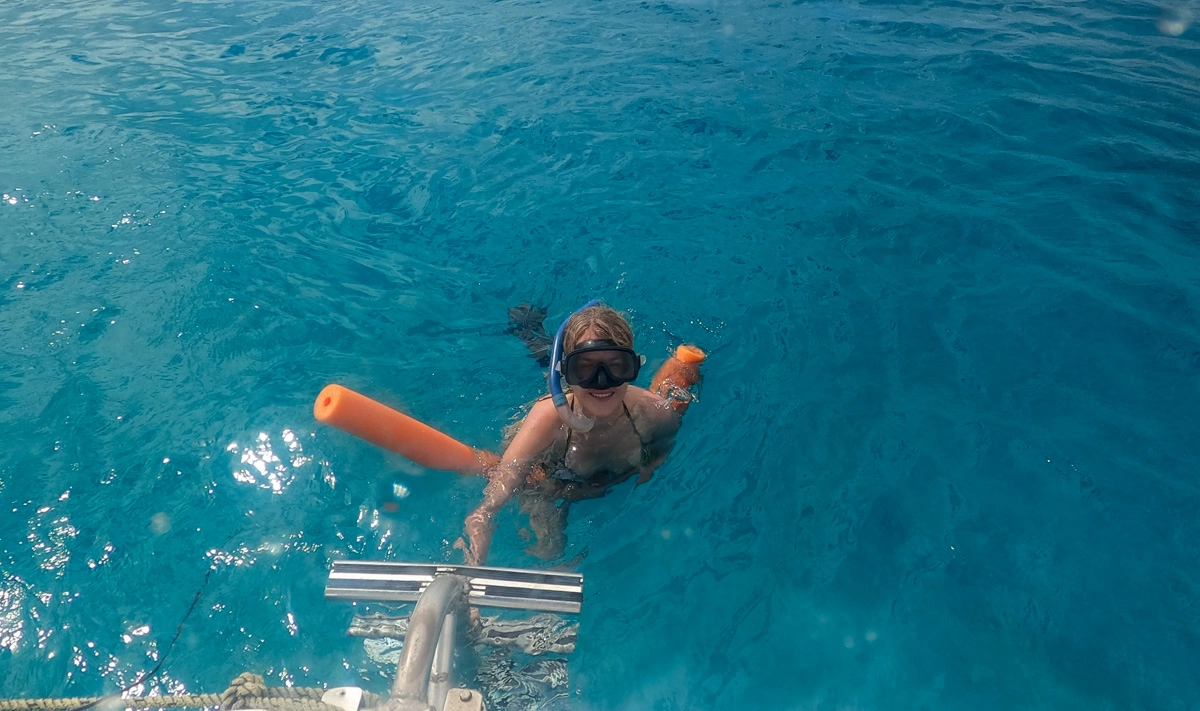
(488, 587)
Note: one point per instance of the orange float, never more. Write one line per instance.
(674, 379)
(397, 432)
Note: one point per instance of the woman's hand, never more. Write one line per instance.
(479, 535)
(469, 557)
(648, 470)
(579, 492)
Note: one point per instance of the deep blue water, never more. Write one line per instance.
(944, 257)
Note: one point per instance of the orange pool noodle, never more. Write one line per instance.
(394, 431)
(680, 372)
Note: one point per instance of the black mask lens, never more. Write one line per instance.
(599, 365)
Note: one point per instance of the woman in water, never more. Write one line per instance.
(577, 446)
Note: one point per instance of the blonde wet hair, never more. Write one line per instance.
(605, 322)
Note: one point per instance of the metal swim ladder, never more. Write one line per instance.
(442, 593)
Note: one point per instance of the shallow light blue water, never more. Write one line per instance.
(943, 255)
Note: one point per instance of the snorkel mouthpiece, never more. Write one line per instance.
(577, 422)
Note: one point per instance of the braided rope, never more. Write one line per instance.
(247, 691)
(144, 702)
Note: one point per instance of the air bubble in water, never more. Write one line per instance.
(160, 523)
(1174, 21)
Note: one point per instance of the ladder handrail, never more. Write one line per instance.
(424, 628)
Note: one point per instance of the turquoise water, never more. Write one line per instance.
(943, 256)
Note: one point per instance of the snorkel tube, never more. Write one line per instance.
(577, 422)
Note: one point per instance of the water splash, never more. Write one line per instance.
(12, 622)
(267, 469)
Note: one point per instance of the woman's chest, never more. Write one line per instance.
(587, 454)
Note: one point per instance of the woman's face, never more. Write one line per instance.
(604, 403)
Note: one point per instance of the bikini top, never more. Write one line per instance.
(564, 473)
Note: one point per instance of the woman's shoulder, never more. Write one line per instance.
(651, 409)
(642, 397)
(534, 432)
(542, 412)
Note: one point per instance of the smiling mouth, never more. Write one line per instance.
(602, 395)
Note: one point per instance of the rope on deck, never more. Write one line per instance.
(247, 691)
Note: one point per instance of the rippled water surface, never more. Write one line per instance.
(943, 255)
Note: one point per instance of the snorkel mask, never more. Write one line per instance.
(600, 364)
(596, 365)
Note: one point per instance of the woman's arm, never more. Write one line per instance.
(536, 434)
(664, 425)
